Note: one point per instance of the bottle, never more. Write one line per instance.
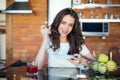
(76, 2)
(90, 1)
(109, 1)
(14, 77)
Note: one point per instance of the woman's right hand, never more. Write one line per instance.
(45, 31)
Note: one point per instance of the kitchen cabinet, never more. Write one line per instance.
(83, 6)
(2, 46)
(2, 16)
(2, 4)
(99, 20)
(95, 6)
(2, 21)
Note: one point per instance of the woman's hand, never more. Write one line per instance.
(84, 61)
(75, 59)
(45, 31)
(78, 59)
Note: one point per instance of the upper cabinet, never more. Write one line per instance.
(2, 16)
(97, 10)
(2, 5)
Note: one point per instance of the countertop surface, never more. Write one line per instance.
(68, 73)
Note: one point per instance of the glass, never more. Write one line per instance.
(32, 70)
(109, 1)
(82, 72)
(80, 15)
(90, 1)
(94, 14)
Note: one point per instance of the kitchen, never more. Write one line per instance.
(23, 38)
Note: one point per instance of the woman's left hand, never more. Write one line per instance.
(75, 59)
(78, 59)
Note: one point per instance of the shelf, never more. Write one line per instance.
(82, 6)
(99, 20)
(2, 27)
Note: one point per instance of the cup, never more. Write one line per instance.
(80, 15)
(84, 70)
(32, 70)
(106, 15)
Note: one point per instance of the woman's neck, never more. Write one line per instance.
(63, 39)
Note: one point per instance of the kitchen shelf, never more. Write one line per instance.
(92, 5)
(99, 20)
(2, 27)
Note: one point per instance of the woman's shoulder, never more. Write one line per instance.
(49, 41)
(83, 45)
(84, 50)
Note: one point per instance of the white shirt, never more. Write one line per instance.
(59, 57)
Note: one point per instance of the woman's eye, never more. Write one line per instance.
(71, 25)
(62, 22)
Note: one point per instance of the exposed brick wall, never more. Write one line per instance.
(9, 2)
(103, 45)
(23, 33)
(26, 36)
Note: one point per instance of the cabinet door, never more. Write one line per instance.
(2, 46)
(2, 4)
(54, 6)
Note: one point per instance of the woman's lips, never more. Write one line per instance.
(63, 32)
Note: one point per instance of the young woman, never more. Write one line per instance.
(63, 42)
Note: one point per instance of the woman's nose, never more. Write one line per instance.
(66, 27)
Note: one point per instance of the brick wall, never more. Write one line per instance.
(24, 39)
(23, 31)
(103, 45)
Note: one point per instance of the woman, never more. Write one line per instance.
(63, 42)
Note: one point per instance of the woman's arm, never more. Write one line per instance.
(87, 54)
(90, 57)
(39, 60)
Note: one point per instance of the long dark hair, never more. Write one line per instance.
(74, 38)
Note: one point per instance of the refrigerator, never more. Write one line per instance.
(54, 6)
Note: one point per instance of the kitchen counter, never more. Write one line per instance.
(66, 73)
(58, 72)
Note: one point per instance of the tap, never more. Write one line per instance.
(116, 48)
(118, 51)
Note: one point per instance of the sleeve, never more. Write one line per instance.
(84, 50)
(48, 44)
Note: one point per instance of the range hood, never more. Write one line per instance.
(19, 6)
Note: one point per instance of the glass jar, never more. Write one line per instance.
(32, 70)
(109, 1)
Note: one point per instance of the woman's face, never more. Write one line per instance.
(66, 25)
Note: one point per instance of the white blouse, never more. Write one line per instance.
(59, 57)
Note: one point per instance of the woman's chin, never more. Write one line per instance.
(63, 34)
